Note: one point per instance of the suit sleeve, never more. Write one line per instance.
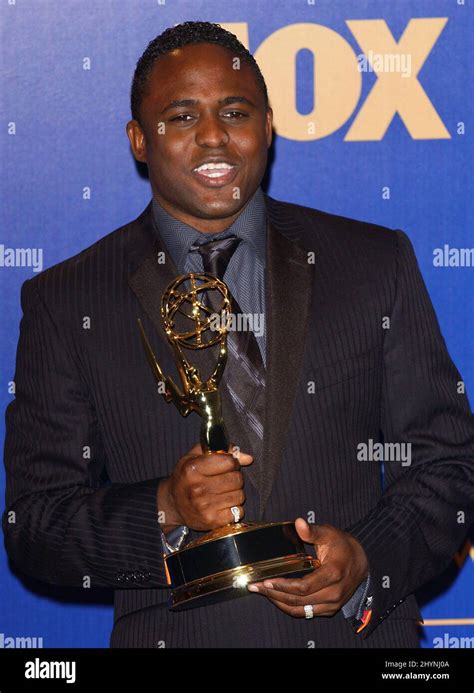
(63, 523)
(427, 505)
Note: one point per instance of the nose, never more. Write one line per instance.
(211, 132)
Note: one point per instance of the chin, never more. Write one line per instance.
(218, 209)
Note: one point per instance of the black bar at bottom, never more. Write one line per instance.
(152, 669)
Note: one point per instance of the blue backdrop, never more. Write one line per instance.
(385, 140)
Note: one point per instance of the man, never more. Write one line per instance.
(102, 473)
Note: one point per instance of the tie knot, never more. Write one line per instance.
(216, 254)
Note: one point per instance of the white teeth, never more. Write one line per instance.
(212, 166)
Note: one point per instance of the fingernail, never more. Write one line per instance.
(252, 588)
(269, 584)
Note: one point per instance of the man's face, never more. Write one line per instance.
(225, 121)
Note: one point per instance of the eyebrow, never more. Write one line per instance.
(177, 103)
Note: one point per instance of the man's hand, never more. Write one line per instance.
(202, 489)
(343, 567)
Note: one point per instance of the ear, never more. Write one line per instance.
(269, 126)
(137, 140)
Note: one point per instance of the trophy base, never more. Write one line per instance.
(220, 565)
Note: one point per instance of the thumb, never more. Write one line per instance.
(243, 458)
(308, 533)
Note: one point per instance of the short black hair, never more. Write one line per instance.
(185, 34)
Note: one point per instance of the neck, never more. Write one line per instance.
(203, 225)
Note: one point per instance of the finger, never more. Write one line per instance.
(332, 596)
(288, 598)
(243, 458)
(311, 583)
(214, 464)
(310, 533)
(225, 501)
(318, 610)
(227, 483)
(227, 517)
(304, 530)
(299, 612)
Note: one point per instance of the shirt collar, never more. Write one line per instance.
(250, 226)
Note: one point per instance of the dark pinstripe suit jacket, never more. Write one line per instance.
(88, 437)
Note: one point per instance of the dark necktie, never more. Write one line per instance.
(216, 254)
(244, 374)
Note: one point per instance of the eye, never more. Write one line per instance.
(180, 117)
(229, 115)
(236, 114)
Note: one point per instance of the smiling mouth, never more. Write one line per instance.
(215, 174)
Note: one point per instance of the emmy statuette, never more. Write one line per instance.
(220, 564)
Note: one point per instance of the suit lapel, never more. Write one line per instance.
(288, 291)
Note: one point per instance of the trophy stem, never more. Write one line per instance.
(213, 437)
